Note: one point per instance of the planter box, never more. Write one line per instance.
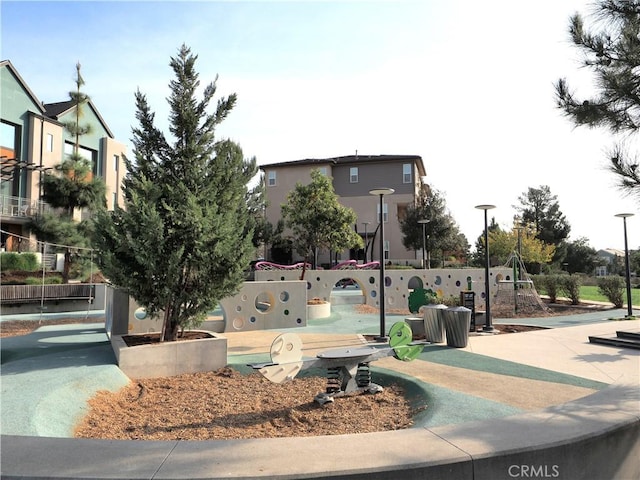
(322, 310)
(170, 358)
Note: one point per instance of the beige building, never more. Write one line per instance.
(353, 177)
(33, 140)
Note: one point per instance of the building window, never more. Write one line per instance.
(323, 171)
(353, 175)
(86, 153)
(13, 180)
(385, 210)
(271, 178)
(49, 142)
(115, 200)
(116, 161)
(386, 249)
(406, 173)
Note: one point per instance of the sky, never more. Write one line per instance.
(467, 85)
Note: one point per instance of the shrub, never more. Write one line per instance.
(11, 261)
(549, 285)
(570, 287)
(29, 262)
(49, 280)
(420, 297)
(613, 288)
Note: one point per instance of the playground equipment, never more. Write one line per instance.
(518, 293)
(347, 368)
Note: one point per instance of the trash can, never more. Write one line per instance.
(457, 321)
(433, 323)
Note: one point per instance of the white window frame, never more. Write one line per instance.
(116, 161)
(271, 178)
(407, 173)
(49, 142)
(387, 249)
(353, 175)
(385, 212)
(323, 170)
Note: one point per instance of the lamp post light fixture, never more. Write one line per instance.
(365, 240)
(627, 269)
(424, 222)
(488, 327)
(381, 192)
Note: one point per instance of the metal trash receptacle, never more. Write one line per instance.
(457, 321)
(433, 323)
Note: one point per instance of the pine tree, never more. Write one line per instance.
(181, 242)
(613, 54)
(71, 186)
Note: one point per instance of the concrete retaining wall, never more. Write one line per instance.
(594, 437)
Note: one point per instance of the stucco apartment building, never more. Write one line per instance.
(33, 139)
(353, 177)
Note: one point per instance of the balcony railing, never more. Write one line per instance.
(21, 207)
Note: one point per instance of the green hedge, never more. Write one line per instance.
(26, 262)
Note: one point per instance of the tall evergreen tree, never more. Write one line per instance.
(613, 54)
(182, 241)
(539, 209)
(70, 187)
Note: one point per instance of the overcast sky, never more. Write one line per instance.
(466, 85)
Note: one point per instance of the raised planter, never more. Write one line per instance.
(318, 310)
(170, 358)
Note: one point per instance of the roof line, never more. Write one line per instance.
(14, 71)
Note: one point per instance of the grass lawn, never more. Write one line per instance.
(591, 293)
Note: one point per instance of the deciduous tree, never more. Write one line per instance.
(441, 232)
(318, 220)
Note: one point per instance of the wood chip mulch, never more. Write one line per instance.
(229, 405)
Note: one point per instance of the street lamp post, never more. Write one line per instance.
(488, 327)
(627, 268)
(424, 222)
(381, 192)
(365, 240)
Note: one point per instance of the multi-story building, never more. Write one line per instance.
(33, 139)
(353, 178)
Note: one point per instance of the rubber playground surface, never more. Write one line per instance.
(48, 375)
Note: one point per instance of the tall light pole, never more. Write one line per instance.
(627, 268)
(365, 240)
(424, 222)
(488, 327)
(381, 192)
